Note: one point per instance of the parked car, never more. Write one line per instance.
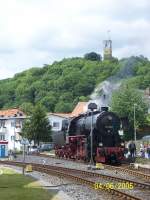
(33, 149)
(146, 138)
(46, 147)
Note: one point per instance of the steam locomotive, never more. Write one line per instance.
(106, 146)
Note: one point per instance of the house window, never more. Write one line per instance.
(2, 137)
(12, 138)
(2, 123)
(16, 123)
(56, 124)
(13, 123)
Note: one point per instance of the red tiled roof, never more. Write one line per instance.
(10, 112)
(79, 109)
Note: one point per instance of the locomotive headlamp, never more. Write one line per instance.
(100, 144)
(120, 132)
(122, 144)
(109, 117)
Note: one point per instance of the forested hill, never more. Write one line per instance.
(61, 85)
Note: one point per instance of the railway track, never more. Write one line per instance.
(77, 175)
(130, 172)
(140, 172)
(141, 169)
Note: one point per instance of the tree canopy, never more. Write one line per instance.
(37, 127)
(93, 56)
(58, 86)
(123, 104)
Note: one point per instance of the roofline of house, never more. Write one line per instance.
(59, 115)
(11, 117)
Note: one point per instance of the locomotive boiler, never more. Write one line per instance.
(107, 145)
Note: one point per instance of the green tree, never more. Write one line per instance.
(93, 56)
(57, 86)
(27, 108)
(63, 107)
(26, 130)
(49, 102)
(123, 104)
(37, 127)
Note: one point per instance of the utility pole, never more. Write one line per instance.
(92, 107)
(14, 135)
(134, 123)
(91, 134)
(24, 142)
(23, 169)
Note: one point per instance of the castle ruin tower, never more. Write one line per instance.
(107, 48)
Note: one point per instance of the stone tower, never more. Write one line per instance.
(107, 49)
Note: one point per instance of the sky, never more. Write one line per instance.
(38, 32)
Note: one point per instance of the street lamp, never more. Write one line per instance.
(92, 107)
(24, 142)
(134, 123)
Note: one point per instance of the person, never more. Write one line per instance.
(132, 149)
(142, 153)
(44, 162)
(126, 152)
(10, 155)
(141, 147)
(148, 151)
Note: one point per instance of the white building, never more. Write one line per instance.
(57, 119)
(59, 122)
(11, 121)
(10, 126)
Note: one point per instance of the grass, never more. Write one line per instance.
(14, 186)
(142, 160)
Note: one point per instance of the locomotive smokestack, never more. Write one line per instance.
(104, 108)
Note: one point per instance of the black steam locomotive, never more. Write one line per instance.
(107, 146)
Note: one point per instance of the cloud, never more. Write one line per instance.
(35, 32)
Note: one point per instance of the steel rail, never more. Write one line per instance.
(129, 171)
(93, 174)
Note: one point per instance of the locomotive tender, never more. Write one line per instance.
(107, 144)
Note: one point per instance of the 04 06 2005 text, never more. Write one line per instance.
(111, 185)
